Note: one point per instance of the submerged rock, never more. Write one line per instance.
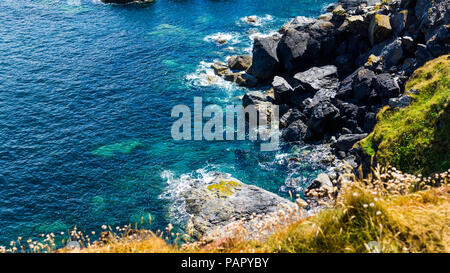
(265, 61)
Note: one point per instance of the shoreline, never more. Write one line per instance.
(332, 75)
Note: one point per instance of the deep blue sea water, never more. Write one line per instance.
(86, 91)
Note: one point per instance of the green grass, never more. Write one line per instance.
(415, 139)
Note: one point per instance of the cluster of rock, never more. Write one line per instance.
(236, 70)
(331, 75)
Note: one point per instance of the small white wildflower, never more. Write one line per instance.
(378, 212)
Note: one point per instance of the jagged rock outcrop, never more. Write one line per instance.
(213, 205)
(240, 62)
(336, 72)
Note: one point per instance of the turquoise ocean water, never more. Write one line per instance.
(86, 91)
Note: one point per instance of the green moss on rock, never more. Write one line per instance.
(224, 188)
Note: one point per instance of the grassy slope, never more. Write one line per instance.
(415, 139)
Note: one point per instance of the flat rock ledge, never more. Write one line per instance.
(226, 207)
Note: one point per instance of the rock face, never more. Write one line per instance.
(380, 28)
(317, 78)
(128, 1)
(214, 205)
(282, 90)
(345, 142)
(296, 131)
(306, 46)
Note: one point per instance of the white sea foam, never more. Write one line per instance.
(204, 76)
(223, 38)
(256, 20)
(264, 35)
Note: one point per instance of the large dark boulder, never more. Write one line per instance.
(357, 25)
(398, 22)
(432, 15)
(379, 28)
(296, 131)
(317, 78)
(345, 90)
(362, 84)
(370, 119)
(386, 86)
(323, 119)
(313, 44)
(439, 43)
(297, 23)
(421, 9)
(322, 96)
(349, 111)
(392, 53)
(290, 116)
(400, 102)
(282, 90)
(293, 49)
(265, 62)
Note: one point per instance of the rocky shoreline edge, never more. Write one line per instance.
(330, 76)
